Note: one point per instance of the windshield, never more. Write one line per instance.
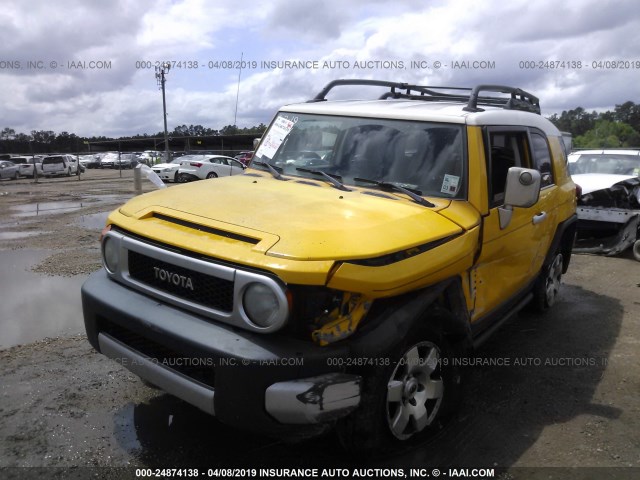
(422, 156)
(616, 164)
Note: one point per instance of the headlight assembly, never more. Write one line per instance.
(261, 305)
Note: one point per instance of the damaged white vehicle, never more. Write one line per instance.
(609, 202)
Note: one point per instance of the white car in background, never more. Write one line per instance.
(168, 172)
(608, 183)
(59, 165)
(25, 165)
(600, 169)
(200, 167)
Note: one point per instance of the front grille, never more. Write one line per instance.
(197, 368)
(207, 291)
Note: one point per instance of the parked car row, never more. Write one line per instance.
(198, 167)
(50, 165)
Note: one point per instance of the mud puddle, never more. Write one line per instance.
(94, 221)
(35, 306)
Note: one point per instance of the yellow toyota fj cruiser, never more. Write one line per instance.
(383, 240)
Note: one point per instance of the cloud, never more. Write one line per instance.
(123, 99)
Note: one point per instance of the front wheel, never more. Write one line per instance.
(408, 400)
(68, 172)
(212, 175)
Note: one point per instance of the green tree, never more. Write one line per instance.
(608, 134)
(629, 113)
(7, 134)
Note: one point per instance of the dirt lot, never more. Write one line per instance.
(560, 390)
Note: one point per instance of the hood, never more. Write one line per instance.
(302, 219)
(590, 182)
(624, 194)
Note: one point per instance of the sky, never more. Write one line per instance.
(88, 67)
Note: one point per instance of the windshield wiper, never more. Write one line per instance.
(413, 194)
(272, 170)
(333, 179)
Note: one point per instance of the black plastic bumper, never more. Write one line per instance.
(238, 365)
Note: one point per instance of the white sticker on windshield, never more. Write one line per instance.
(450, 184)
(277, 133)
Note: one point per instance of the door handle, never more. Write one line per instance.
(539, 218)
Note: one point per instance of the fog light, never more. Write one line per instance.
(110, 254)
(261, 305)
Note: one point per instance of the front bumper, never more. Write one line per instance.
(165, 175)
(259, 382)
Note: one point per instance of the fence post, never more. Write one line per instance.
(137, 180)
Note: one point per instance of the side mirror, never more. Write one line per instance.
(522, 190)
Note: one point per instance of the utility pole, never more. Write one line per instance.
(161, 72)
(235, 116)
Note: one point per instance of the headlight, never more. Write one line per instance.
(261, 305)
(110, 254)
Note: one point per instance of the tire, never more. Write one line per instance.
(407, 401)
(636, 250)
(15, 176)
(182, 178)
(68, 172)
(176, 179)
(546, 290)
(212, 175)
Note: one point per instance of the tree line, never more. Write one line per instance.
(610, 129)
(620, 128)
(45, 141)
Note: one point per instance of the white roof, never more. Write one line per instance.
(421, 110)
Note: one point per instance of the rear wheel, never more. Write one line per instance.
(636, 250)
(176, 178)
(547, 288)
(408, 400)
(212, 175)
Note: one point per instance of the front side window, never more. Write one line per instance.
(542, 158)
(429, 158)
(507, 148)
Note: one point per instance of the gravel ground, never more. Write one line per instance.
(562, 391)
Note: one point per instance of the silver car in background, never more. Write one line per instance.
(9, 170)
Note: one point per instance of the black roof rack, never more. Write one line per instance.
(519, 99)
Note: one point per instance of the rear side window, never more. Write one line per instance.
(53, 160)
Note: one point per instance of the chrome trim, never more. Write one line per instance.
(313, 400)
(167, 379)
(241, 280)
